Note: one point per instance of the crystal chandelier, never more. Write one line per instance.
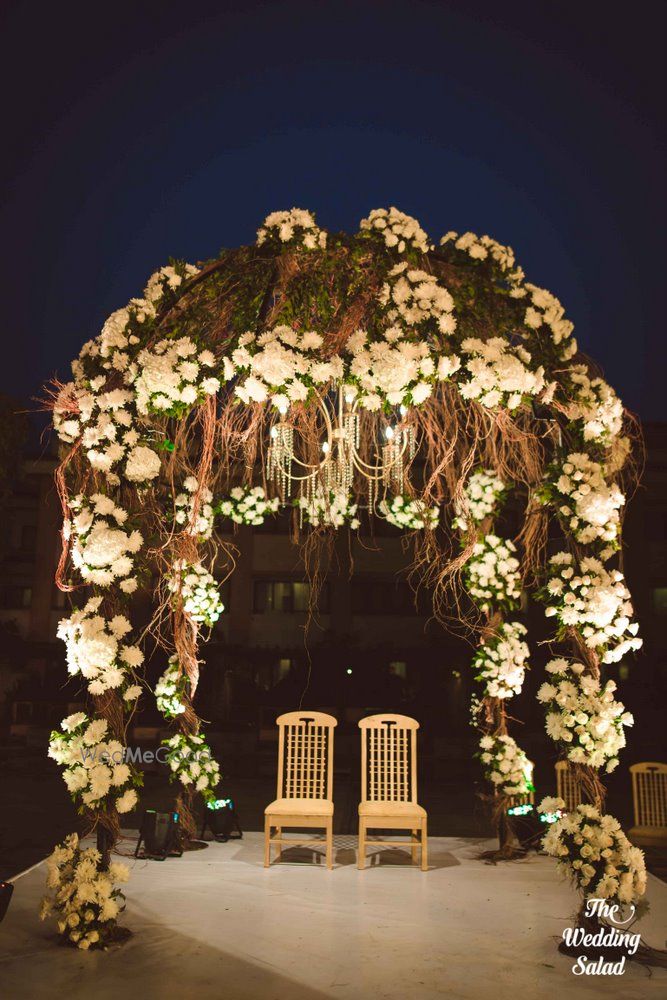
(345, 468)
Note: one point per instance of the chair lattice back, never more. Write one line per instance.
(649, 793)
(388, 758)
(567, 787)
(305, 755)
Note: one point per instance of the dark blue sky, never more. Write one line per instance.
(138, 131)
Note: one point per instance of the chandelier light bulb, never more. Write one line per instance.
(389, 432)
(325, 447)
(274, 432)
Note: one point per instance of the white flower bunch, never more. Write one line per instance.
(482, 493)
(415, 300)
(596, 405)
(95, 768)
(498, 374)
(492, 574)
(328, 508)
(399, 231)
(595, 601)
(505, 765)
(191, 762)
(82, 896)
(406, 512)
(500, 661)
(587, 503)
(483, 248)
(170, 690)
(248, 505)
(546, 310)
(95, 650)
(197, 590)
(296, 227)
(584, 716)
(595, 853)
(282, 363)
(395, 370)
(171, 377)
(102, 550)
(166, 278)
(200, 526)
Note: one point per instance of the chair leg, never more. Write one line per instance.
(424, 846)
(279, 848)
(415, 844)
(330, 843)
(361, 849)
(267, 841)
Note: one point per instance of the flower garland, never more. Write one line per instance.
(328, 509)
(170, 690)
(95, 770)
(398, 231)
(595, 601)
(247, 505)
(500, 661)
(583, 716)
(592, 850)
(193, 509)
(102, 551)
(417, 302)
(492, 574)
(483, 492)
(496, 374)
(83, 899)
(170, 377)
(595, 406)
(296, 228)
(196, 588)
(405, 512)
(394, 370)
(95, 650)
(505, 765)
(191, 762)
(586, 503)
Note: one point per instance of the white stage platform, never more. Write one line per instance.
(215, 923)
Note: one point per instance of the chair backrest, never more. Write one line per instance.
(305, 755)
(567, 787)
(649, 793)
(388, 758)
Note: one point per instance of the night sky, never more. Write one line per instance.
(138, 131)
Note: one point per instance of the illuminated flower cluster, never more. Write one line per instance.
(247, 505)
(495, 373)
(296, 228)
(416, 301)
(95, 650)
(399, 232)
(170, 690)
(505, 765)
(281, 363)
(406, 512)
(492, 574)
(593, 600)
(198, 590)
(583, 716)
(500, 661)
(172, 376)
(592, 850)
(596, 406)
(484, 248)
(328, 509)
(586, 502)
(102, 550)
(193, 498)
(483, 492)
(95, 768)
(545, 310)
(82, 896)
(191, 762)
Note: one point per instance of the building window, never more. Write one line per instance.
(15, 597)
(383, 597)
(286, 597)
(659, 600)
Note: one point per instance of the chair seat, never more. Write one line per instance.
(299, 807)
(397, 809)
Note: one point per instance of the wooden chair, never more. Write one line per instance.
(567, 788)
(389, 784)
(649, 799)
(305, 779)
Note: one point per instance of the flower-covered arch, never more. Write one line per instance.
(345, 378)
